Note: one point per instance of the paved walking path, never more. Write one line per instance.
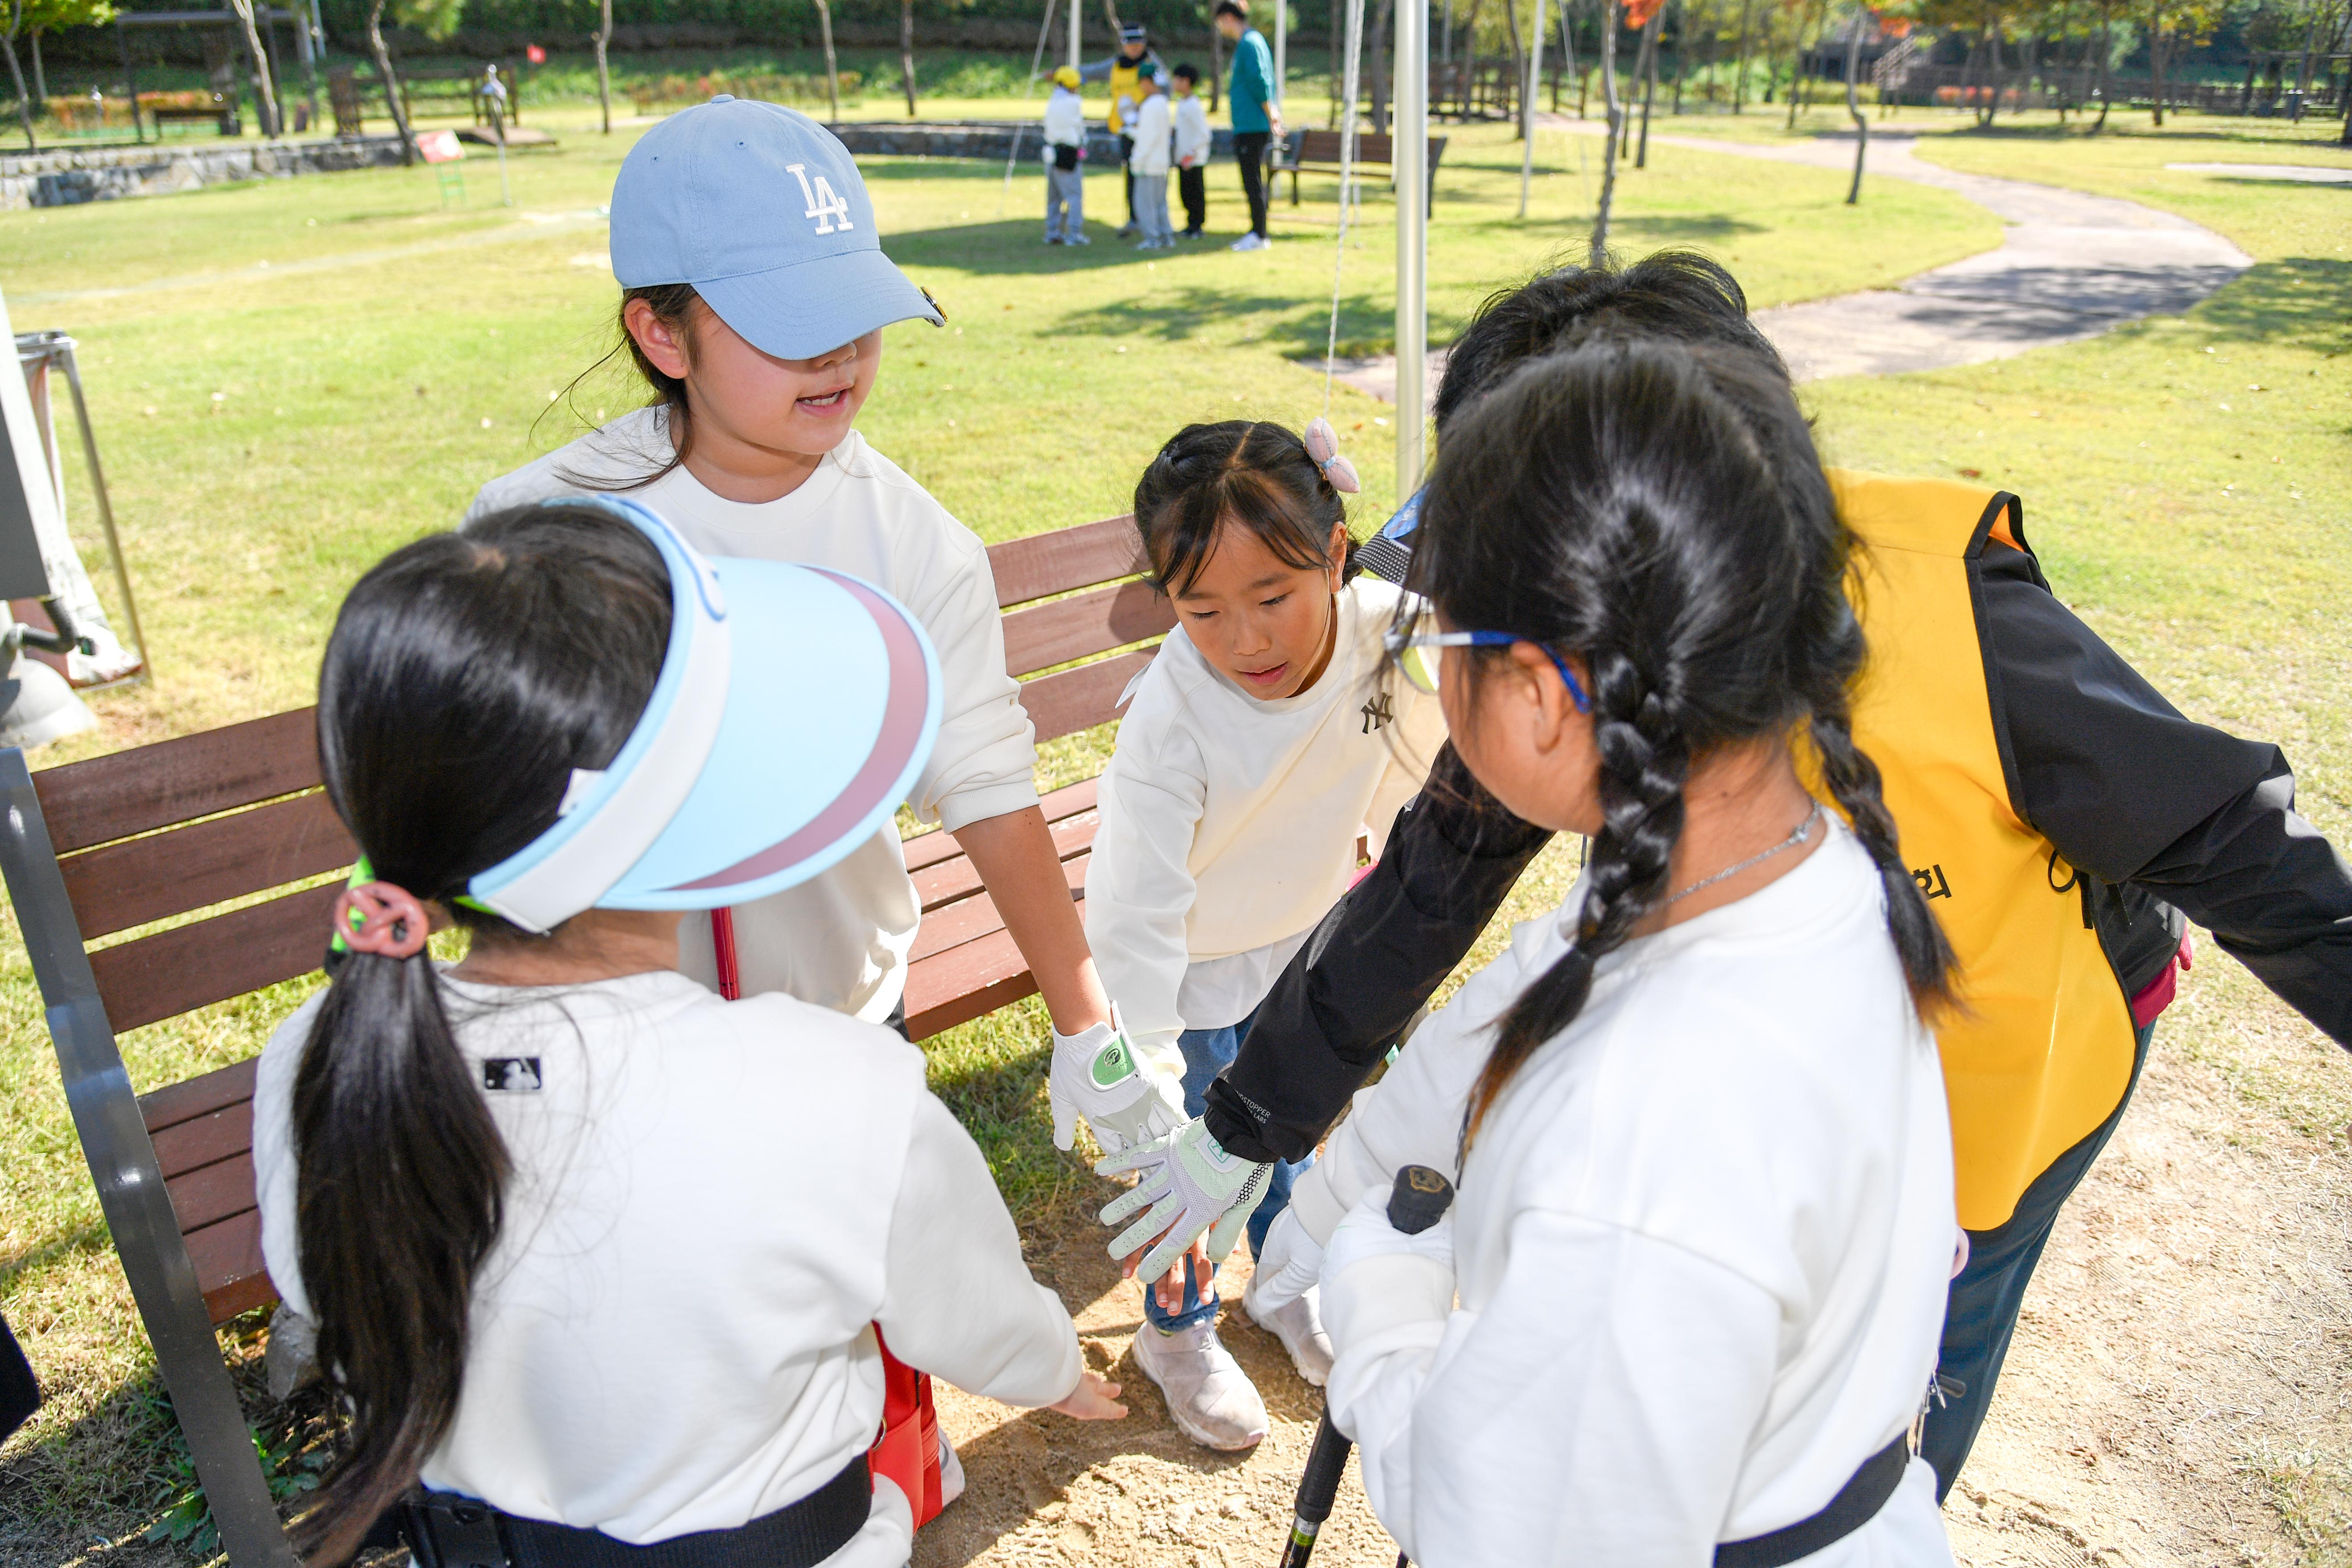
(2069, 267)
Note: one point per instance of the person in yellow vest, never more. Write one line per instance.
(1125, 72)
(2063, 820)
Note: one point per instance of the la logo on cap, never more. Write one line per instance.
(824, 205)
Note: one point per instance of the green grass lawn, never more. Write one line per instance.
(291, 378)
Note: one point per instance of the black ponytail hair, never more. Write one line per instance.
(467, 676)
(1256, 475)
(673, 306)
(1658, 512)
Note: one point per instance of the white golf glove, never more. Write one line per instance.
(1377, 1279)
(1187, 1185)
(1098, 1074)
(1289, 1263)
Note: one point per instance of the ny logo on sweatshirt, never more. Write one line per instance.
(824, 204)
(1379, 713)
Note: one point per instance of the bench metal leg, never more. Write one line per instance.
(131, 1186)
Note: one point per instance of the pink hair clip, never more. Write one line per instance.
(1323, 446)
(382, 919)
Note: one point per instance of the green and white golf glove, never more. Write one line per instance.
(1187, 1184)
(1125, 1098)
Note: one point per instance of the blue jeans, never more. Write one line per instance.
(1981, 1313)
(1207, 1053)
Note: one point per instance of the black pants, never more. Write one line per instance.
(1981, 1315)
(1193, 187)
(1249, 151)
(1127, 166)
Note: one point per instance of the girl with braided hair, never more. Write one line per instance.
(1705, 1212)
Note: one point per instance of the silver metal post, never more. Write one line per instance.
(1281, 47)
(1411, 151)
(1075, 45)
(105, 506)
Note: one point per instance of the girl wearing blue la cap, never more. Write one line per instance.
(754, 292)
(587, 1248)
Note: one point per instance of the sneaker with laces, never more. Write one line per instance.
(1249, 242)
(950, 1472)
(1298, 1324)
(1210, 1398)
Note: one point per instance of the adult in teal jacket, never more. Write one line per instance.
(1258, 118)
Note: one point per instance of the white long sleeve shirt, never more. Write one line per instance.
(1151, 135)
(1701, 1247)
(840, 939)
(709, 1203)
(1066, 119)
(1229, 823)
(1191, 132)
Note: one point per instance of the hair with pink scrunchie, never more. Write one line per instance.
(1323, 446)
(382, 919)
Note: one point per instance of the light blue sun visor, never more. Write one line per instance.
(794, 707)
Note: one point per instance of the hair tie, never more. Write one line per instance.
(1323, 446)
(380, 919)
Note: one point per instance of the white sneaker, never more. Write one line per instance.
(1210, 1398)
(1251, 242)
(1298, 1324)
(950, 1472)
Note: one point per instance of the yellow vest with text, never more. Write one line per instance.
(2040, 1051)
(1124, 91)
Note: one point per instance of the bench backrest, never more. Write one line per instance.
(185, 825)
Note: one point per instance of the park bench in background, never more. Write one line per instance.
(1320, 151)
(215, 106)
(464, 82)
(96, 848)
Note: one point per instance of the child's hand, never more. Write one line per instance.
(1169, 1288)
(1092, 1400)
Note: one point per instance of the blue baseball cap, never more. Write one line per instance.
(795, 708)
(762, 209)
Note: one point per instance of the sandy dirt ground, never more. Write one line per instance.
(2180, 1391)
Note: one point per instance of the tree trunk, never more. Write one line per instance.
(265, 89)
(907, 51)
(1992, 71)
(1379, 46)
(831, 65)
(1682, 51)
(1470, 60)
(1568, 62)
(1740, 72)
(1519, 65)
(1649, 79)
(1853, 108)
(17, 75)
(2106, 55)
(40, 77)
(1597, 253)
(391, 82)
(603, 74)
(2155, 60)
(1217, 61)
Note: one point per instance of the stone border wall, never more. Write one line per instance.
(67, 176)
(989, 138)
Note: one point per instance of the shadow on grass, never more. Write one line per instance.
(2301, 301)
(1367, 321)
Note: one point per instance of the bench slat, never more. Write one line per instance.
(171, 782)
(1046, 635)
(121, 885)
(928, 848)
(963, 983)
(1080, 699)
(969, 920)
(213, 1193)
(229, 1270)
(1067, 558)
(206, 1140)
(194, 1097)
(192, 966)
(954, 879)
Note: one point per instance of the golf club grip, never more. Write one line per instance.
(1419, 1199)
(1325, 1463)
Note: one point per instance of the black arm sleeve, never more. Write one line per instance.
(1453, 857)
(2128, 789)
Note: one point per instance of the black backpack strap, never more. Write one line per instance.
(1856, 1504)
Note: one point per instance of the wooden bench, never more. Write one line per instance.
(221, 110)
(461, 82)
(1320, 151)
(96, 848)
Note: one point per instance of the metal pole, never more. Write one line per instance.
(1281, 47)
(1411, 151)
(1075, 45)
(1528, 110)
(131, 86)
(105, 507)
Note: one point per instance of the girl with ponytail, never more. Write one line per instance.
(589, 1251)
(1705, 1202)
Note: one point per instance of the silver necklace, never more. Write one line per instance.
(1804, 831)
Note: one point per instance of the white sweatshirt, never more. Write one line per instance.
(1151, 131)
(840, 941)
(1066, 119)
(1191, 132)
(711, 1202)
(1229, 823)
(1702, 1248)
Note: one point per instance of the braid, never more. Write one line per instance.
(1644, 762)
(1853, 782)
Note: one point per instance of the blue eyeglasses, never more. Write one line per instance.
(1404, 652)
